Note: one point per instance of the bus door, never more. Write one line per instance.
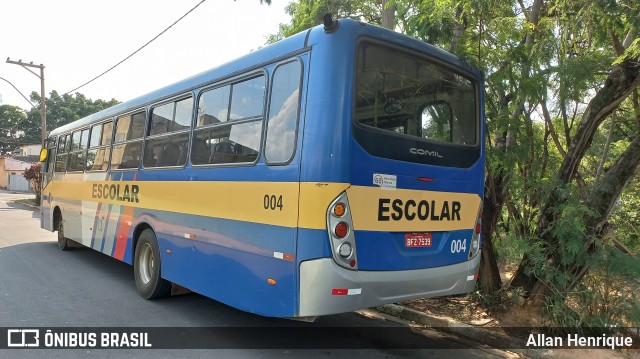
(282, 157)
(47, 184)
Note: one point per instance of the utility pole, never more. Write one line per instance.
(43, 107)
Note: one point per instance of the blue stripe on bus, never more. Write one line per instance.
(228, 260)
(312, 244)
(230, 276)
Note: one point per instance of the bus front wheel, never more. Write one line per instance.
(146, 267)
(64, 243)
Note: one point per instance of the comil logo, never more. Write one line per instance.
(422, 152)
(23, 338)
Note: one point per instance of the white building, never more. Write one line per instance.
(13, 166)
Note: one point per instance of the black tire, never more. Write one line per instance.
(146, 268)
(64, 243)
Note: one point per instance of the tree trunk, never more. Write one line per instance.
(489, 274)
(388, 15)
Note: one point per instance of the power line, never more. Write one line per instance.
(23, 96)
(135, 52)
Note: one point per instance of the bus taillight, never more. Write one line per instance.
(339, 224)
(341, 230)
(339, 210)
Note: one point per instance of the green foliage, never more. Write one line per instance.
(625, 217)
(607, 298)
(65, 109)
(571, 231)
(558, 60)
(306, 14)
(12, 120)
(19, 127)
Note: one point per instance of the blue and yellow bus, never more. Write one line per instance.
(338, 169)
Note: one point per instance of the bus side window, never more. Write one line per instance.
(200, 151)
(99, 147)
(127, 145)
(168, 134)
(49, 163)
(229, 124)
(77, 156)
(61, 153)
(247, 99)
(283, 113)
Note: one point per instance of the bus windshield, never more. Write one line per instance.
(402, 94)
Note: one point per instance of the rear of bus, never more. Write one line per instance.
(393, 153)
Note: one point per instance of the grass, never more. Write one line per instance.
(28, 202)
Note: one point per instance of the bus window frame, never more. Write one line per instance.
(80, 149)
(189, 131)
(450, 122)
(466, 154)
(268, 111)
(461, 71)
(231, 81)
(101, 123)
(51, 145)
(139, 139)
(64, 152)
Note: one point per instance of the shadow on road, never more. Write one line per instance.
(84, 288)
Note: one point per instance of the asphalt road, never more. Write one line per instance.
(43, 287)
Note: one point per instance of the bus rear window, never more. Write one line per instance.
(408, 97)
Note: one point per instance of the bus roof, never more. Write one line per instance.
(229, 69)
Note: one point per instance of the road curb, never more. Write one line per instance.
(481, 335)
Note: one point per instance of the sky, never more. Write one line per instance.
(77, 40)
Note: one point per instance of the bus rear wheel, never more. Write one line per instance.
(146, 267)
(64, 243)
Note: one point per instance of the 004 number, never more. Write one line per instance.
(459, 245)
(273, 202)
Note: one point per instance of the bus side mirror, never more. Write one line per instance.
(43, 154)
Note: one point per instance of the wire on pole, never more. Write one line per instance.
(135, 52)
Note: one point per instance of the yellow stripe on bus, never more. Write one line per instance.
(274, 203)
(402, 210)
(287, 204)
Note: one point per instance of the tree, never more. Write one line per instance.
(12, 120)
(65, 109)
(33, 175)
(555, 73)
(308, 13)
(597, 35)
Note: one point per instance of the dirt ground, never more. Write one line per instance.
(510, 314)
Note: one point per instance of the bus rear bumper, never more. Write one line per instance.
(326, 288)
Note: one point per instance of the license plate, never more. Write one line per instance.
(412, 240)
